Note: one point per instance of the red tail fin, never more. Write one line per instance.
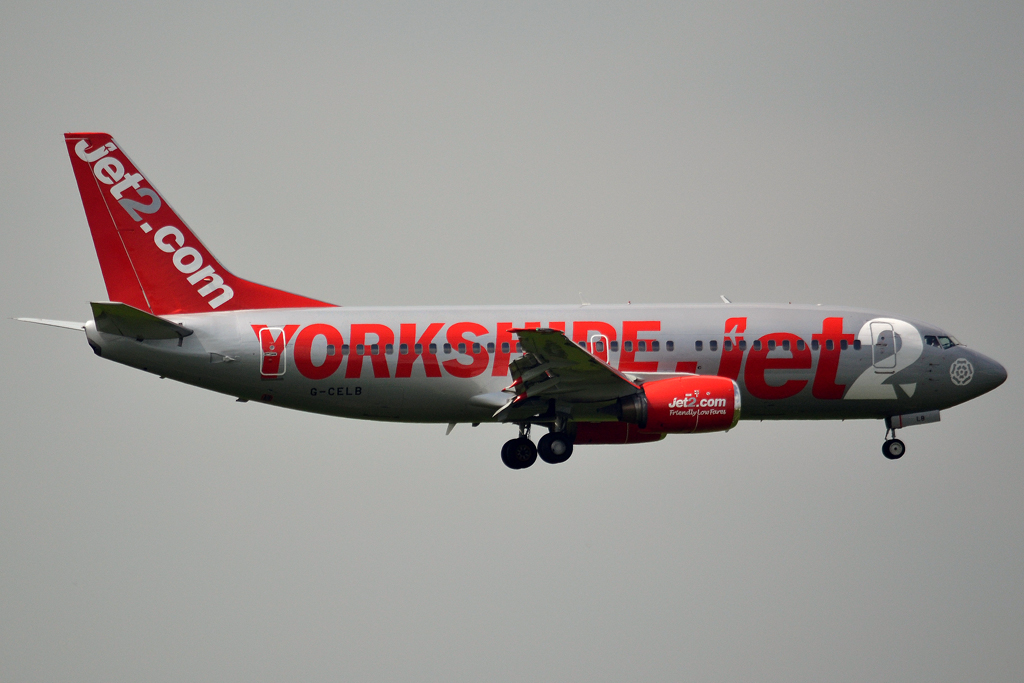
(149, 257)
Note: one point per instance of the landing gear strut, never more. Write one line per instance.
(519, 453)
(892, 448)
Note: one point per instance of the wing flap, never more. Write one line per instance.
(552, 365)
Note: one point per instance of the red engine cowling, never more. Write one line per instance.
(694, 404)
(588, 433)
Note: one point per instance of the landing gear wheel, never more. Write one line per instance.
(554, 448)
(505, 454)
(519, 453)
(893, 449)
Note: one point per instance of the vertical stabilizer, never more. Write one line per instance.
(149, 257)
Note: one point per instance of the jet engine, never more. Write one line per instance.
(684, 405)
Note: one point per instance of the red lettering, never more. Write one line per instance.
(560, 326)
(828, 359)
(581, 330)
(687, 366)
(627, 358)
(272, 349)
(304, 351)
(758, 362)
(732, 357)
(385, 335)
(457, 335)
(501, 357)
(407, 336)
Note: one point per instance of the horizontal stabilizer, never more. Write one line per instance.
(66, 324)
(128, 321)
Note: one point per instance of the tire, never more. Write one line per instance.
(554, 448)
(894, 449)
(506, 454)
(519, 453)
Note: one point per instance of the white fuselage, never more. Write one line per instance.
(802, 362)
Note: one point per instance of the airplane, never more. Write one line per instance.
(588, 374)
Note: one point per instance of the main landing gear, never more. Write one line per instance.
(892, 448)
(520, 453)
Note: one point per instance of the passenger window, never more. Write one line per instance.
(374, 349)
(785, 345)
(519, 347)
(627, 346)
(641, 346)
(856, 344)
(800, 345)
(599, 347)
(582, 343)
(389, 349)
(655, 345)
(698, 346)
(462, 347)
(490, 347)
(713, 344)
(476, 347)
(728, 345)
(344, 349)
(843, 344)
(433, 349)
(670, 346)
(330, 349)
(757, 345)
(447, 348)
(829, 344)
(418, 348)
(771, 344)
(360, 349)
(743, 344)
(814, 345)
(614, 346)
(403, 349)
(504, 347)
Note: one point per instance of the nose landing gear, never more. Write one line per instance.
(892, 448)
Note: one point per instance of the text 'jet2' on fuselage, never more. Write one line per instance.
(588, 374)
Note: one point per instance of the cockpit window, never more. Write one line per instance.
(940, 341)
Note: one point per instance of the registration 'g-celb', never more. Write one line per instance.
(587, 374)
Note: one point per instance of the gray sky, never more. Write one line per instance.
(380, 154)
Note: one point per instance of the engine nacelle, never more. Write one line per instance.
(611, 433)
(692, 404)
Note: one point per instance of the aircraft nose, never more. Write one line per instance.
(990, 373)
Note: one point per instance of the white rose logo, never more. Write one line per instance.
(961, 372)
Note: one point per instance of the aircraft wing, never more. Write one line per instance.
(553, 367)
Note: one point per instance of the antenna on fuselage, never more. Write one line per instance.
(724, 299)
